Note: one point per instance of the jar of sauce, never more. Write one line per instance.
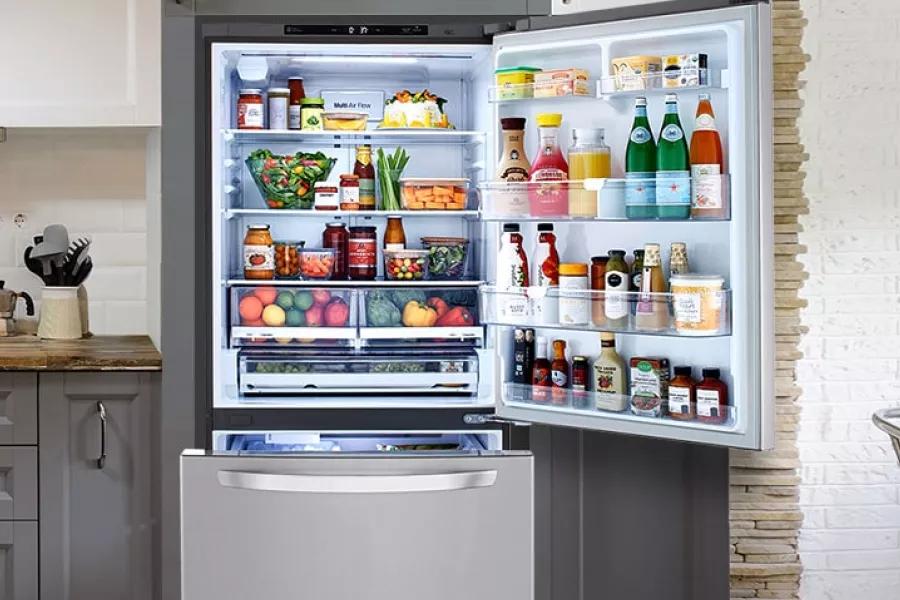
(712, 398)
(311, 111)
(349, 191)
(259, 253)
(682, 394)
(278, 108)
(250, 109)
(361, 252)
(297, 94)
(598, 284)
(335, 236)
(580, 378)
(326, 196)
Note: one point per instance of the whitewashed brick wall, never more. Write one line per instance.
(850, 125)
(93, 182)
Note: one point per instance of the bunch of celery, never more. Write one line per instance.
(389, 168)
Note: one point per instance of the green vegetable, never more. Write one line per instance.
(288, 181)
(460, 297)
(400, 298)
(389, 169)
(381, 312)
(447, 261)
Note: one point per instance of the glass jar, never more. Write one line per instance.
(335, 236)
(574, 303)
(297, 94)
(250, 110)
(589, 158)
(278, 108)
(682, 392)
(361, 253)
(311, 111)
(712, 398)
(327, 196)
(394, 235)
(259, 253)
(349, 191)
(598, 284)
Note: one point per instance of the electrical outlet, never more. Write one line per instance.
(20, 219)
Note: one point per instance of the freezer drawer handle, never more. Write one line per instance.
(357, 484)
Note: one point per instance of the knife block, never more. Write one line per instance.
(60, 314)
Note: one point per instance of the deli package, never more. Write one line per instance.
(684, 70)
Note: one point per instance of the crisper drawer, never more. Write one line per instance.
(350, 526)
(429, 442)
(414, 313)
(298, 373)
(273, 316)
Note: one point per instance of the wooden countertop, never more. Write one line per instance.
(96, 353)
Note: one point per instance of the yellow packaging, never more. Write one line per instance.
(636, 73)
(515, 82)
(561, 82)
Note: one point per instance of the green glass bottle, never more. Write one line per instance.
(673, 175)
(640, 166)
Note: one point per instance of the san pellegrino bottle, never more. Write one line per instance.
(673, 166)
(707, 164)
(640, 166)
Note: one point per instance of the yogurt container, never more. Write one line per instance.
(698, 302)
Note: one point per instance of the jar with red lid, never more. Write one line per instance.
(361, 253)
(250, 109)
(349, 191)
(335, 236)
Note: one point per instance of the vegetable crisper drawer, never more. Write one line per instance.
(272, 316)
(420, 314)
(290, 373)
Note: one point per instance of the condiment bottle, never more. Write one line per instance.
(512, 274)
(574, 301)
(297, 93)
(634, 278)
(707, 165)
(361, 252)
(682, 394)
(335, 236)
(546, 274)
(541, 378)
(250, 109)
(588, 158)
(678, 259)
(259, 253)
(549, 166)
(365, 170)
(394, 236)
(278, 108)
(712, 398)
(311, 111)
(349, 187)
(610, 386)
(514, 167)
(598, 285)
(580, 381)
(559, 372)
(652, 310)
(616, 293)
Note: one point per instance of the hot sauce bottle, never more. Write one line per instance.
(541, 380)
(712, 398)
(559, 372)
(682, 394)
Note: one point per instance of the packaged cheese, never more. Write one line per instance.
(561, 82)
(684, 70)
(636, 73)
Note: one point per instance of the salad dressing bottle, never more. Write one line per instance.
(546, 274)
(512, 275)
(652, 310)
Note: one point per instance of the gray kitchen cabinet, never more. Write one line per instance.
(18, 560)
(97, 524)
(18, 408)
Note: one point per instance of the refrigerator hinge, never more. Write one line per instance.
(495, 28)
(483, 419)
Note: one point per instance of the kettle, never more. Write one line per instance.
(8, 301)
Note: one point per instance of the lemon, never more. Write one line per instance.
(273, 316)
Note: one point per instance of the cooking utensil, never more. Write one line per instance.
(83, 271)
(78, 253)
(34, 265)
(52, 249)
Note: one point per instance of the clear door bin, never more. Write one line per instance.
(273, 315)
(697, 307)
(290, 373)
(419, 313)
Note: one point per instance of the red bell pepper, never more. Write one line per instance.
(458, 316)
(438, 305)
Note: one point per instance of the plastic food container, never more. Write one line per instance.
(515, 83)
(447, 256)
(434, 194)
(406, 265)
(697, 301)
(561, 82)
(345, 121)
(287, 259)
(316, 263)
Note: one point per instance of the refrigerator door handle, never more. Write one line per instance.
(357, 484)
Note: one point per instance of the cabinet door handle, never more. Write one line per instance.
(101, 412)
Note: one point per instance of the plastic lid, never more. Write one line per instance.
(582, 135)
(606, 336)
(682, 370)
(691, 278)
(279, 91)
(312, 101)
(640, 101)
(670, 98)
(250, 91)
(336, 224)
(549, 119)
(579, 359)
(295, 78)
(545, 226)
(363, 229)
(638, 251)
(712, 373)
(511, 227)
(617, 253)
(603, 258)
(573, 269)
(257, 226)
(512, 123)
(514, 69)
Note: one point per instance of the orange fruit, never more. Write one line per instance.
(250, 308)
(266, 294)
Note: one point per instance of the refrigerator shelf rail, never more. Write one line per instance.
(613, 87)
(362, 283)
(692, 313)
(383, 137)
(351, 215)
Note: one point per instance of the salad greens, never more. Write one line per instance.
(289, 181)
(447, 257)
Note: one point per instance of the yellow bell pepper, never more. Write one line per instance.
(416, 314)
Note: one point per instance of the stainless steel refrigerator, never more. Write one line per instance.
(362, 457)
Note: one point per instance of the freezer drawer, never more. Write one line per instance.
(346, 527)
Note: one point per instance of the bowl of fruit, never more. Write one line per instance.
(405, 265)
(316, 263)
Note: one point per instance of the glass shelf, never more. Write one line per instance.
(601, 199)
(384, 137)
(343, 283)
(599, 405)
(232, 213)
(690, 312)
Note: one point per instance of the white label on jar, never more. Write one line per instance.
(708, 403)
(259, 258)
(616, 305)
(326, 200)
(574, 304)
(294, 116)
(349, 195)
(679, 400)
(250, 115)
(706, 186)
(688, 307)
(278, 106)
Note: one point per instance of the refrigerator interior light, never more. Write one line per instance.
(368, 59)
